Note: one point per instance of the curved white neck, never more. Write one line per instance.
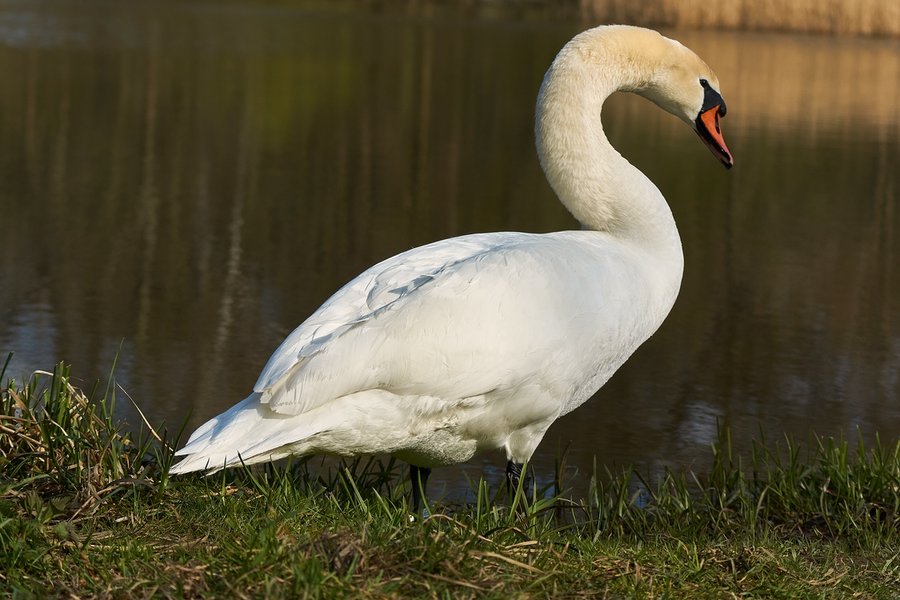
(599, 187)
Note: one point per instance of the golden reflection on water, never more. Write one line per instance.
(187, 183)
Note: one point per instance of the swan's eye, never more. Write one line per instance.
(704, 83)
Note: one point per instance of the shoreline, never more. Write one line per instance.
(87, 511)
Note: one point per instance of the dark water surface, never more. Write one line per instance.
(184, 184)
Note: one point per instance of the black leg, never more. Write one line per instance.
(513, 475)
(419, 478)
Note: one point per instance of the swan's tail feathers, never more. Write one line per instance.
(247, 433)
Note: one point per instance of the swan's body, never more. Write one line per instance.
(483, 341)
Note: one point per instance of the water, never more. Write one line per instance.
(183, 184)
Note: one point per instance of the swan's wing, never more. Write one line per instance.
(497, 313)
(375, 290)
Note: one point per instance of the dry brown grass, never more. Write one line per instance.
(845, 17)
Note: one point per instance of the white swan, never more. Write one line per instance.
(483, 341)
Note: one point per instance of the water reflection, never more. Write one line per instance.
(184, 184)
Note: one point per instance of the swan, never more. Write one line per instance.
(482, 341)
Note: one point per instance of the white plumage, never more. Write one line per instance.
(482, 341)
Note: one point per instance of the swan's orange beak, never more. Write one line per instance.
(708, 129)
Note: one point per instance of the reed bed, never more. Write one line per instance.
(87, 511)
(836, 17)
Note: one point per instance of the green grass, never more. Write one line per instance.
(86, 510)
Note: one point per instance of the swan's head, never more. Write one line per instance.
(679, 82)
(611, 58)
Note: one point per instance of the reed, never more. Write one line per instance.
(836, 17)
(85, 511)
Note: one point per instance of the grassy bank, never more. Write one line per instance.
(87, 511)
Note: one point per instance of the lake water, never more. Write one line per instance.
(182, 184)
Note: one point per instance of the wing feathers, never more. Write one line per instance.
(370, 294)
